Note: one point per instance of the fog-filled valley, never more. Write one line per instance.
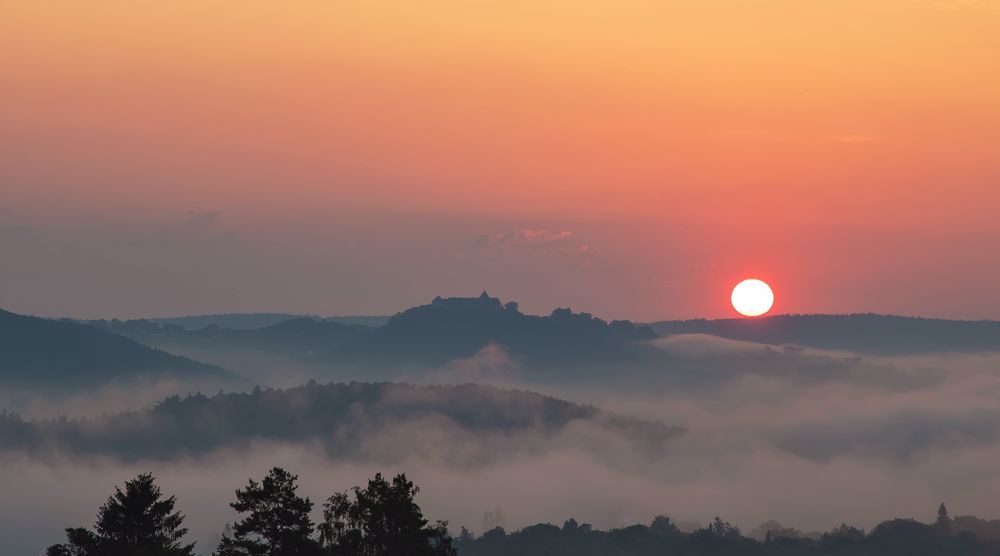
(520, 278)
(549, 418)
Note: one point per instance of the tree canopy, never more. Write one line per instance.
(384, 519)
(137, 521)
(381, 520)
(277, 519)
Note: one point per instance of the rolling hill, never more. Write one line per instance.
(385, 421)
(423, 337)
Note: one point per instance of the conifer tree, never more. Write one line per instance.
(382, 520)
(277, 519)
(137, 521)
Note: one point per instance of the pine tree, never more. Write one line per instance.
(724, 529)
(277, 520)
(136, 521)
(943, 523)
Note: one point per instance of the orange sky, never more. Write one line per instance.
(345, 157)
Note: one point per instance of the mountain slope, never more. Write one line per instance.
(300, 336)
(37, 352)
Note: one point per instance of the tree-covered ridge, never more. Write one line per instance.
(448, 328)
(894, 537)
(422, 337)
(383, 519)
(345, 418)
(897, 537)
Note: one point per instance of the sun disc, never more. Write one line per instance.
(752, 298)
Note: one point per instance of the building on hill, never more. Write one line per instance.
(484, 301)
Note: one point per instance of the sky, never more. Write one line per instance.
(630, 159)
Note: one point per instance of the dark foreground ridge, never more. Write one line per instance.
(384, 519)
(895, 537)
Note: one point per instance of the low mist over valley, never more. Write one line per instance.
(557, 278)
(628, 421)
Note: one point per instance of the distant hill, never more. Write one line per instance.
(235, 321)
(358, 420)
(862, 333)
(60, 355)
(422, 337)
(360, 320)
(480, 339)
(458, 327)
(300, 336)
(250, 321)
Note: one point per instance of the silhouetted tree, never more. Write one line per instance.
(465, 534)
(381, 520)
(943, 523)
(493, 534)
(983, 528)
(843, 536)
(135, 522)
(571, 526)
(723, 529)
(905, 536)
(663, 527)
(80, 542)
(277, 521)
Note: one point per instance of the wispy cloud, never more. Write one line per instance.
(533, 241)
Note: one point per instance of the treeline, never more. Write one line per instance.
(379, 519)
(383, 519)
(895, 537)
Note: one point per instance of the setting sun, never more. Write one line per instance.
(384, 236)
(752, 298)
